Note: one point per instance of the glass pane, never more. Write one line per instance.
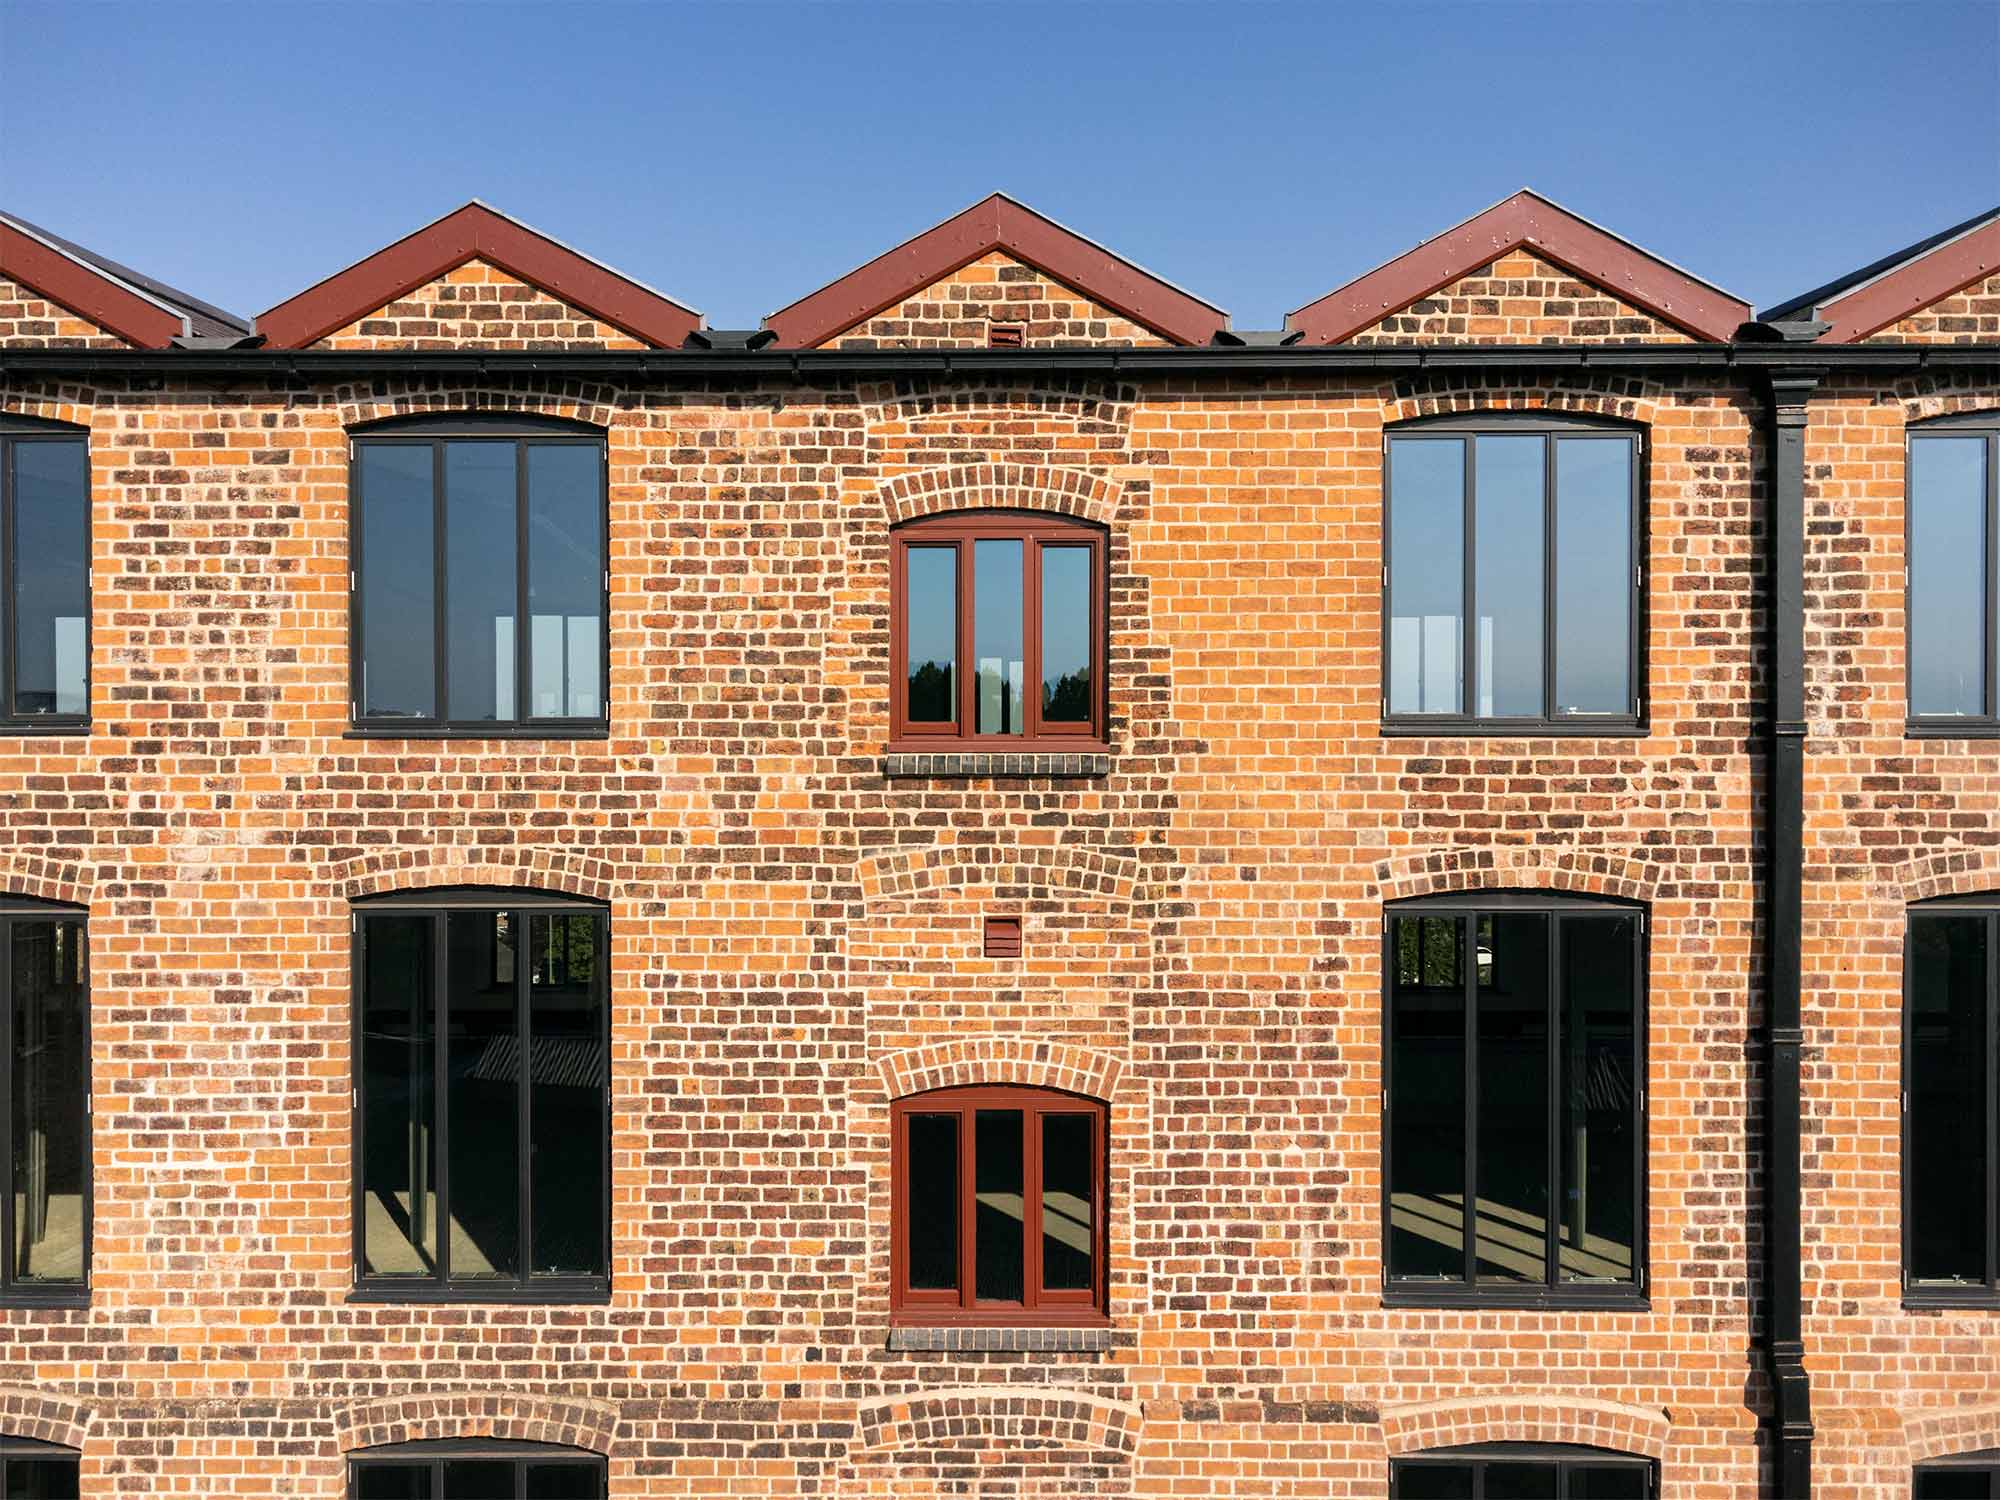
(930, 607)
(1594, 576)
(484, 1058)
(1518, 1481)
(1597, 1045)
(1068, 1225)
(565, 1482)
(51, 577)
(931, 1207)
(398, 604)
(999, 615)
(565, 581)
(1947, 1084)
(399, 1208)
(569, 1091)
(999, 1241)
(51, 1067)
(480, 585)
(1066, 633)
(1434, 1481)
(1513, 1146)
(1953, 1484)
(1608, 1482)
(478, 1479)
(42, 1479)
(1507, 574)
(1426, 575)
(1948, 575)
(392, 1482)
(1427, 1098)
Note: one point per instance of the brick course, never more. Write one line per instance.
(957, 312)
(29, 320)
(1970, 315)
(1520, 299)
(478, 306)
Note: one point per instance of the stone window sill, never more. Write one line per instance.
(999, 764)
(973, 1339)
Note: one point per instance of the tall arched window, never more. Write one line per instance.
(474, 1469)
(1515, 1100)
(44, 575)
(482, 1101)
(999, 1199)
(479, 583)
(998, 632)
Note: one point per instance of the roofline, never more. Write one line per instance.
(145, 287)
(601, 265)
(47, 242)
(1855, 281)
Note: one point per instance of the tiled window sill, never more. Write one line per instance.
(1006, 764)
(1008, 1340)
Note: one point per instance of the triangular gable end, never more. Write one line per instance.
(997, 224)
(1553, 234)
(476, 232)
(1914, 295)
(87, 294)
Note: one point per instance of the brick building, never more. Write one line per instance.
(555, 946)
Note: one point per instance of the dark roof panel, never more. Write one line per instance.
(1806, 302)
(203, 319)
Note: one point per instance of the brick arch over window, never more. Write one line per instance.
(378, 872)
(1925, 396)
(511, 1416)
(44, 1416)
(966, 1061)
(1088, 406)
(1964, 871)
(1435, 872)
(1423, 1425)
(18, 403)
(578, 401)
(1617, 397)
(1000, 486)
(911, 874)
(1046, 1417)
(1939, 1434)
(44, 879)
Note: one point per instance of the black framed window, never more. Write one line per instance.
(1512, 584)
(474, 1469)
(1953, 520)
(1516, 1084)
(1951, 1108)
(32, 1470)
(1963, 1476)
(44, 1102)
(1523, 1471)
(44, 575)
(464, 529)
(482, 1106)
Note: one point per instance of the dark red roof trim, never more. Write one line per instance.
(476, 232)
(1575, 244)
(1913, 286)
(997, 223)
(87, 293)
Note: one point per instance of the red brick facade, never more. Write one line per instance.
(796, 932)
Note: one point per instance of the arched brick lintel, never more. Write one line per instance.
(1594, 872)
(19, 402)
(1623, 398)
(1925, 396)
(911, 874)
(511, 1416)
(45, 1416)
(1944, 872)
(23, 873)
(541, 868)
(1002, 486)
(1939, 1434)
(1525, 1419)
(577, 400)
(1047, 1416)
(965, 1061)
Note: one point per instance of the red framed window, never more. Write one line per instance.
(999, 1207)
(998, 630)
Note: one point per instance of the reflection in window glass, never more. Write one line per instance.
(1949, 984)
(931, 1202)
(1593, 605)
(1426, 575)
(1511, 1147)
(1597, 1048)
(50, 1065)
(997, 635)
(567, 1086)
(999, 1207)
(1507, 574)
(930, 611)
(483, 1071)
(1948, 582)
(1427, 1125)
(398, 1067)
(398, 604)
(1067, 1232)
(51, 577)
(565, 582)
(480, 583)
(1066, 629)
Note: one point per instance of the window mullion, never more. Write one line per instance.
(1031, 638)
(1031, 1209)
(1990, 647)
(1549, 620)
(1468, 670)
(968, 692)
(521, 619)
(967, 1208)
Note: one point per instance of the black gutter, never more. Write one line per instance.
(1783, 1330)
(808, 365)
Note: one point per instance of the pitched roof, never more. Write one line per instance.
(116, 298)
(1890, 289)
(998, 223)
(1526, 218)
(477, 232)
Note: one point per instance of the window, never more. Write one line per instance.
(44, 575)
(1963, 1476)
(1516, 1084)
(1512, 575)
(1522, 1471)
(31, 1470)
(44, 1113)
(1951, 1131)
(1954, 531)
(461, 531)
(483, 1103)
(999, 1207)
(474, 1469)
(998, 632)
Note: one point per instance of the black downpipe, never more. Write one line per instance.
(1791, 1429)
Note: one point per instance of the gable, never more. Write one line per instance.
(959, 310)
(1970, 315)
(478, 306)
(29, 320)
(1520, 298)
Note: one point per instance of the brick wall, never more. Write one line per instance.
(957, 311)
(1970, 315)
(1520, 299)
(29, 320)
(478, 306)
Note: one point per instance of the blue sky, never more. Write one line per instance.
(739, 155)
